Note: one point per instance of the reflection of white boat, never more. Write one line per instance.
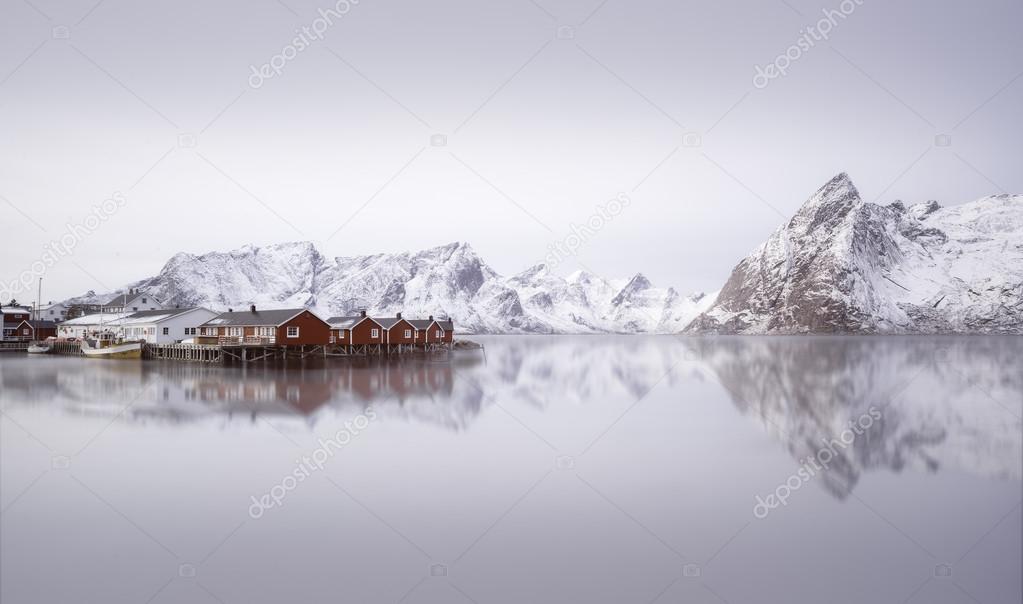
(111, 349)
(38, 348)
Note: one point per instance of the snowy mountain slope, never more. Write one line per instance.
(449, 280)
(841, 265)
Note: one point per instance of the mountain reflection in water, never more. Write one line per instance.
(944, 401)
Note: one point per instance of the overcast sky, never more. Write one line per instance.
(549, 108)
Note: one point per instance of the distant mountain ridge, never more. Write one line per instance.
(841, 265)
(448, 280)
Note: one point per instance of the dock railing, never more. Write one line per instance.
(246, 340)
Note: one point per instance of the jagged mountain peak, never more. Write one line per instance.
(923, 209)
(636, 285)
(845, 266)
(537, 271)
(829, 205)
(581, 277)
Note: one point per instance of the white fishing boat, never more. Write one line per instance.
(38, 347)
(110, 348)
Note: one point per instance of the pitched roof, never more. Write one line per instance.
(345, 322)
(14, 310)
(446, 324)
(94, 319)
(155, 316)
(40, 324)
(118, 300)
(389, 322)
(421, 323)
(260, 317)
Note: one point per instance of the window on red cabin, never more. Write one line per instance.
(293, 332)
(408, 333)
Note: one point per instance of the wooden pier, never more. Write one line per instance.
(67, 348)
(252, 352)
(199, 353)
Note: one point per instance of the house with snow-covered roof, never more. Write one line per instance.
(357, 330)
(168, 326)
(89, 325)
(133, 300)
(12, 318)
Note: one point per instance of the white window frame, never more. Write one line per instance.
(440, 333)
(408, 333)
(375, 333)
(293, 331)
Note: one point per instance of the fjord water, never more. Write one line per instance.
(547, 469)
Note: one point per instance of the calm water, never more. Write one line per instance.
(550, 469)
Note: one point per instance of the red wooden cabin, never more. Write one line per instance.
(286, 327)
(398, 330)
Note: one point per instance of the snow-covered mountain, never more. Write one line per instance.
(845, 266)
(450, 280)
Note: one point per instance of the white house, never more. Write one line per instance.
(51, 311)
(89, 325)
(167, 326)
(134, 300)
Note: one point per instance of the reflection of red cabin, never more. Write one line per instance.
(399, 331)
(37, 330)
